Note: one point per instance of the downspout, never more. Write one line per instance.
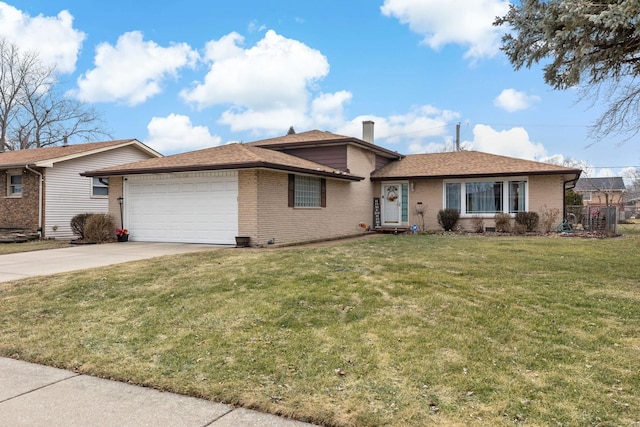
(564, 193)
(40, 231)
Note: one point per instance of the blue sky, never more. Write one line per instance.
(192, 74)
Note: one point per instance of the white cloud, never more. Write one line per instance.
(556, 159)
(327, 109)
(604, 173)
(254, 26)
(464, 22)
(53, 37)
(512, 100)
(273, 74)
(269, 86)
(513, 142)
(265, 121)
(416, 128)
(175, 134)
(133, 70)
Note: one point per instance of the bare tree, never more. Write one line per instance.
(32, 112)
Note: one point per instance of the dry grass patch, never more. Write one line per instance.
(398, 330)
(32, 245)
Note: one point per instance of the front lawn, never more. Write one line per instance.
(32, 245)
(395, 330)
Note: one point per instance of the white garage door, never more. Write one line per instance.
(190, 207)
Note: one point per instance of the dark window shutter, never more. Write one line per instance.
(292, 190)
(323, 193)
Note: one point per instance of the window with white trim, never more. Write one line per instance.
(100, 187)
(307, 191)
(14, 185)
(486, 197)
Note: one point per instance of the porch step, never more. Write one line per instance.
(392, 230)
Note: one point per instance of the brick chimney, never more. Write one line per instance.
(367, 131)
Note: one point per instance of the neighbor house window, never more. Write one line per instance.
(14, 185)
(307, 191)
(486, 197)
(100, 187)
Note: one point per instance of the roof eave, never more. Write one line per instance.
(48, 163)
(475, 175)
(226, 166)
(323, 143)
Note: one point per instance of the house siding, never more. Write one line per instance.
(20, 212)
(382, 161)
(332, 156)
(69, 194)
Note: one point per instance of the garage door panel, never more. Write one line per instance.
(190, 208)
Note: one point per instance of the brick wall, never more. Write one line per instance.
(264, 215)
(115, 191)
(248, 204)
(20, 212)
(275, 220)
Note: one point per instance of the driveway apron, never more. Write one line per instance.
(40, 263)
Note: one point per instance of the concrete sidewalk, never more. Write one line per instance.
(39, 263)
(33, 395)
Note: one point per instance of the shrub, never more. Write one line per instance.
(503, 222)
(519, 228)
(549, 218)
(78, 222)
(99, 229)
(528, 219)
(448, 218)
(477, 223)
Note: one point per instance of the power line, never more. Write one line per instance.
(630, 166)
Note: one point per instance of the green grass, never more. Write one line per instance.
(395, 330)
(32, 245)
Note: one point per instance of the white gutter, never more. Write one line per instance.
(39, 198)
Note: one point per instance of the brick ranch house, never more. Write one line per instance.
(318, 185)
(43, 188)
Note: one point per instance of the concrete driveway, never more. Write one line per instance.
(80, 257)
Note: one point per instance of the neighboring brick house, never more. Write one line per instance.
(43, 188)
(318, 185)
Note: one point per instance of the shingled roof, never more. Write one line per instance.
(230, 156)
(612, 183)
(46, 156)
(466, 164)
(314, 138)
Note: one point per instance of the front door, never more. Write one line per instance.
(391, 204)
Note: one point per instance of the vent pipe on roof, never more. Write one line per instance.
(367, 131)
(65, 141)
